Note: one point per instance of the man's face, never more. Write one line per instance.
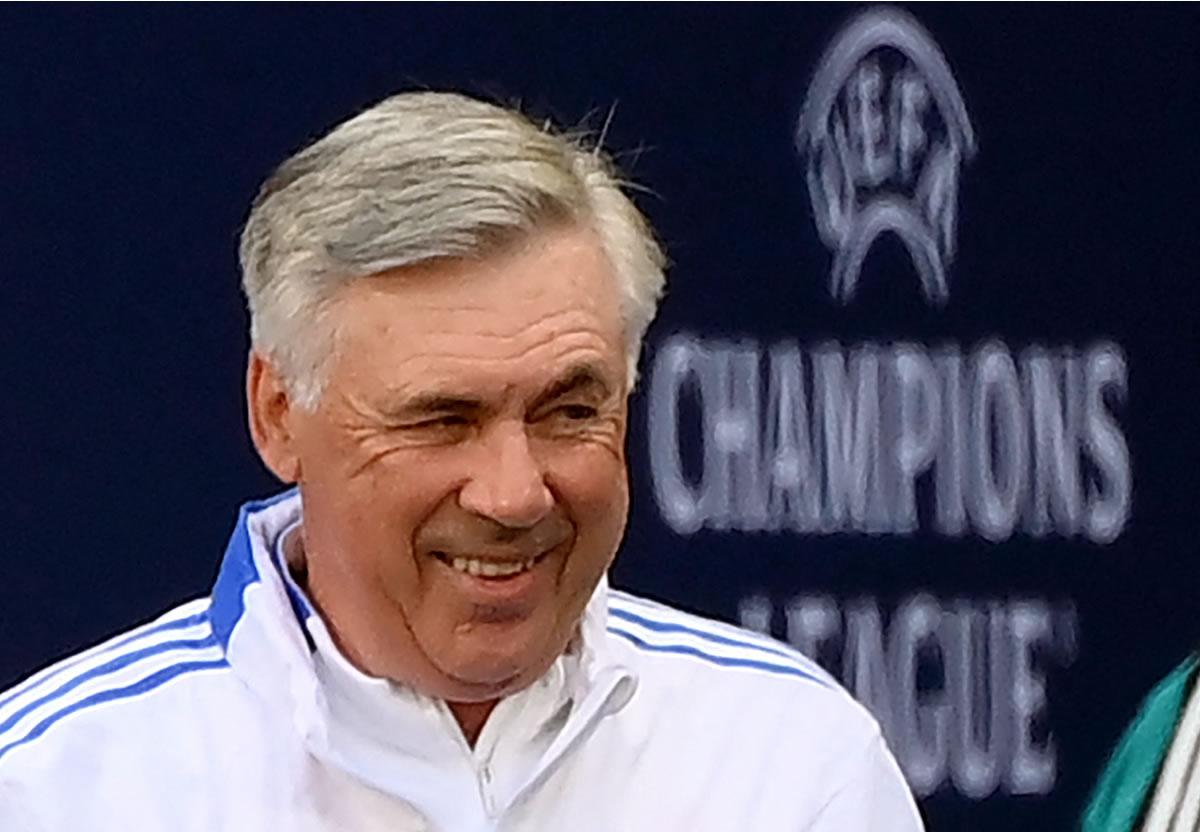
(464, 476)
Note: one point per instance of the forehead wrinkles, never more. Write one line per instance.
(535, 325)
(479, 334)
(503, 309)
(555, 298)
(522, 369)
(495, 359)
(532, 366)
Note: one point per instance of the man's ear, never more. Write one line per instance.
(271, 413)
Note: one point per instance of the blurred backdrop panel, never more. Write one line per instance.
(920, 400)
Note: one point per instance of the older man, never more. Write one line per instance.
(447, 304)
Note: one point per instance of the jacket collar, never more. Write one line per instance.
(278, 644)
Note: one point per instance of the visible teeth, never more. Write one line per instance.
(491, 569)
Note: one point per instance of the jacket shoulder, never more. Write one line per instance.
(678, 648)
(104, 697)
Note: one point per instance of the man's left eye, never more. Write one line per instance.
(576, 412)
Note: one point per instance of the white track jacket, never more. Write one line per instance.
(236, 713)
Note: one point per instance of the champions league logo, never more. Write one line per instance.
(889, 437)
(885, 132)
(985, 440)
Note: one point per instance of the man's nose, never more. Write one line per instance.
(508, 484)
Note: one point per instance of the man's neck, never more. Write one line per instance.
(471, 716)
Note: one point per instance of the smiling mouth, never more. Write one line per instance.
(484, 568)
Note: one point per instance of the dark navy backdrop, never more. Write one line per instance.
(131, 143)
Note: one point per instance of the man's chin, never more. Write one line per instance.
(487, 676)
(487, 660)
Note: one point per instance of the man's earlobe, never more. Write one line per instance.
(269, 409)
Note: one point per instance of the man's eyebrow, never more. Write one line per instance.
(435, 402)
(579, 377)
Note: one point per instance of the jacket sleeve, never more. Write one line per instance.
(874, 798)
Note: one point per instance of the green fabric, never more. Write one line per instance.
(1126, 783)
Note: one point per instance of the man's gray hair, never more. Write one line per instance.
(420, 177)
